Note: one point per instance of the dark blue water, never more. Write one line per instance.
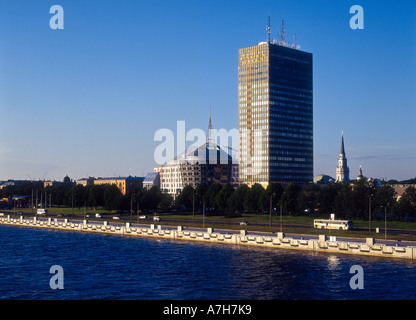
(100, 266)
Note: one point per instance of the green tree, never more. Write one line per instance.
(345, 206)
(360, 200)
(211, 195)
(185, 198)
(236, 200)
(308, 198)
(274, 190)
(290, 198)
(96, 195)
(166, 202)
(76, 196)
(200, 191)
(384, 198)
(326, 198)
(112, 197)
(252, 200)
(222, 197)
(406, 205)
(151, 199)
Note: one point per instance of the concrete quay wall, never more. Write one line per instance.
(322, 244)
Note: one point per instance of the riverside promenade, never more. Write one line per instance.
(321, 243)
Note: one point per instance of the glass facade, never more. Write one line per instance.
(275, 93)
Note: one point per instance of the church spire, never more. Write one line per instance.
(360, 174)
(342, 143)
(342, 172)
(210, 132)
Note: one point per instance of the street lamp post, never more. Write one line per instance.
(271, 205)
(385, 221)
(281, 219)
(131, 204)
(193, 207)
(369, 212)
(72, 205)
(203, 214)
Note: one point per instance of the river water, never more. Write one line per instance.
(98, 266)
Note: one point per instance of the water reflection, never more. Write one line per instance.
(115, 267)
(333, 262)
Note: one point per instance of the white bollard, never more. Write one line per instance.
(322, 238)
(369, 241)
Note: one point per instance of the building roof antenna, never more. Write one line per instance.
(282, 33)
(268, 31)
(295, 42)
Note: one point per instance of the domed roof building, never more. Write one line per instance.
(207, 163)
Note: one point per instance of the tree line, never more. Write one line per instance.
(347, 201)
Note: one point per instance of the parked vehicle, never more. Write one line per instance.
(116, 218)
(156, 218)
(98, 215)
(142, 217)
(333, 224)
(42, 212)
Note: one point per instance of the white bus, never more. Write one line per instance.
(42, 212)
(333, 224)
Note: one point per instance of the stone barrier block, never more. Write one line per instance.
(369, 241)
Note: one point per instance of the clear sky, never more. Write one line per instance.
(88, 99)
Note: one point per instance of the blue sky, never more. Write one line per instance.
(88, 99)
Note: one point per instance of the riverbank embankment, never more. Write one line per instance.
(319, 244)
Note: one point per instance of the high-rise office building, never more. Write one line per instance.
(275, 90)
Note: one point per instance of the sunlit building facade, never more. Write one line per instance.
(275, 89)
(207, 164)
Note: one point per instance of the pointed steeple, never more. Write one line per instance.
(342, 144)
(342, 170)
(210, 132)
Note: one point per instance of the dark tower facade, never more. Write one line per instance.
(275, 114)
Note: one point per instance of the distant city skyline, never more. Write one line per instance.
(87, 100)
